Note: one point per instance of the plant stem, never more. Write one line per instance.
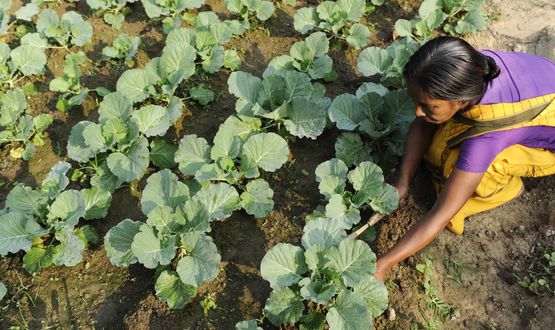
(375, 218)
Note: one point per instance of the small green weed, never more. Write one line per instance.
(15, 300)
(455, 266)
(442, 311)
(58, 149)
(538, 276)
(208, 303)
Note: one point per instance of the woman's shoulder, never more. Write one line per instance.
(515, 55)
(523, 76)
(506, 57)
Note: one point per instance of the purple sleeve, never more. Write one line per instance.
(477, 153)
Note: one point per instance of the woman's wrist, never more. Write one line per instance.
(383, 263)
(382, 269)
(405, 176)
(402, 187)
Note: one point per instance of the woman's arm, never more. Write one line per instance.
(418, 140)
(457, 190)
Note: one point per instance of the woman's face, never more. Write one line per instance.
(434, 111)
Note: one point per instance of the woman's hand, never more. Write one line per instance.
(459, 187)
(381, 271)
(403, 191)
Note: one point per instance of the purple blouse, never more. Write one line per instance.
(523, 76)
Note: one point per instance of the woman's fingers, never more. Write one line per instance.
(403, 191)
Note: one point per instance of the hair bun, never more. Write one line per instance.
(492, 70)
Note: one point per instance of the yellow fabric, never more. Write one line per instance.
(452, 128)
(501, 181)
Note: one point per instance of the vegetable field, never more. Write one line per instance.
(197, 164)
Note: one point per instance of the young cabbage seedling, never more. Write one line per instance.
(249, 9)
(113, 11)
(20, 131)
(308, 56)
(326, 281)
(73, 93)
(238, 152)
(173, 240)
(388, 63)
(458, 17)
(24, 18)
(123, 48)
(208, 38)
(375, 121)
(70, 29)
(172, 11)
(21, 62)
(44, 221)
(339, 18)
(349, 192)
(116, 147)
(282, 97)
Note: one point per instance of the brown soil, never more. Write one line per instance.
(96, 294)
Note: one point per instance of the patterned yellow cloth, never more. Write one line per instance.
(501, 181)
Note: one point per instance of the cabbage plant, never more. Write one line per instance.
(173, 240)
(116, 148)
(208, 38)
(4, 16)
(236, 157)
(24, 14)
(248, 9)
(171, 10)
(281, 98)
(458, 17)
(185, 47)
(464, 16)
(388, 62)
(124, 48)
(348, 192)
(70, 29)
(309, 56)
(44, 221)
(20, 131)
(378, 119)
(339, 18)
(72, 92)
(113, 11)
(327, 281)
(23, 61)
(161, 76)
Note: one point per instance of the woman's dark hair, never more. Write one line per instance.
(449, 68)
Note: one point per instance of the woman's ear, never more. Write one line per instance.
(463, 104)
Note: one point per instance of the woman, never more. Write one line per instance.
(484, 119)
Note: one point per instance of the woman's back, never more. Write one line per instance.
(522, 76)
